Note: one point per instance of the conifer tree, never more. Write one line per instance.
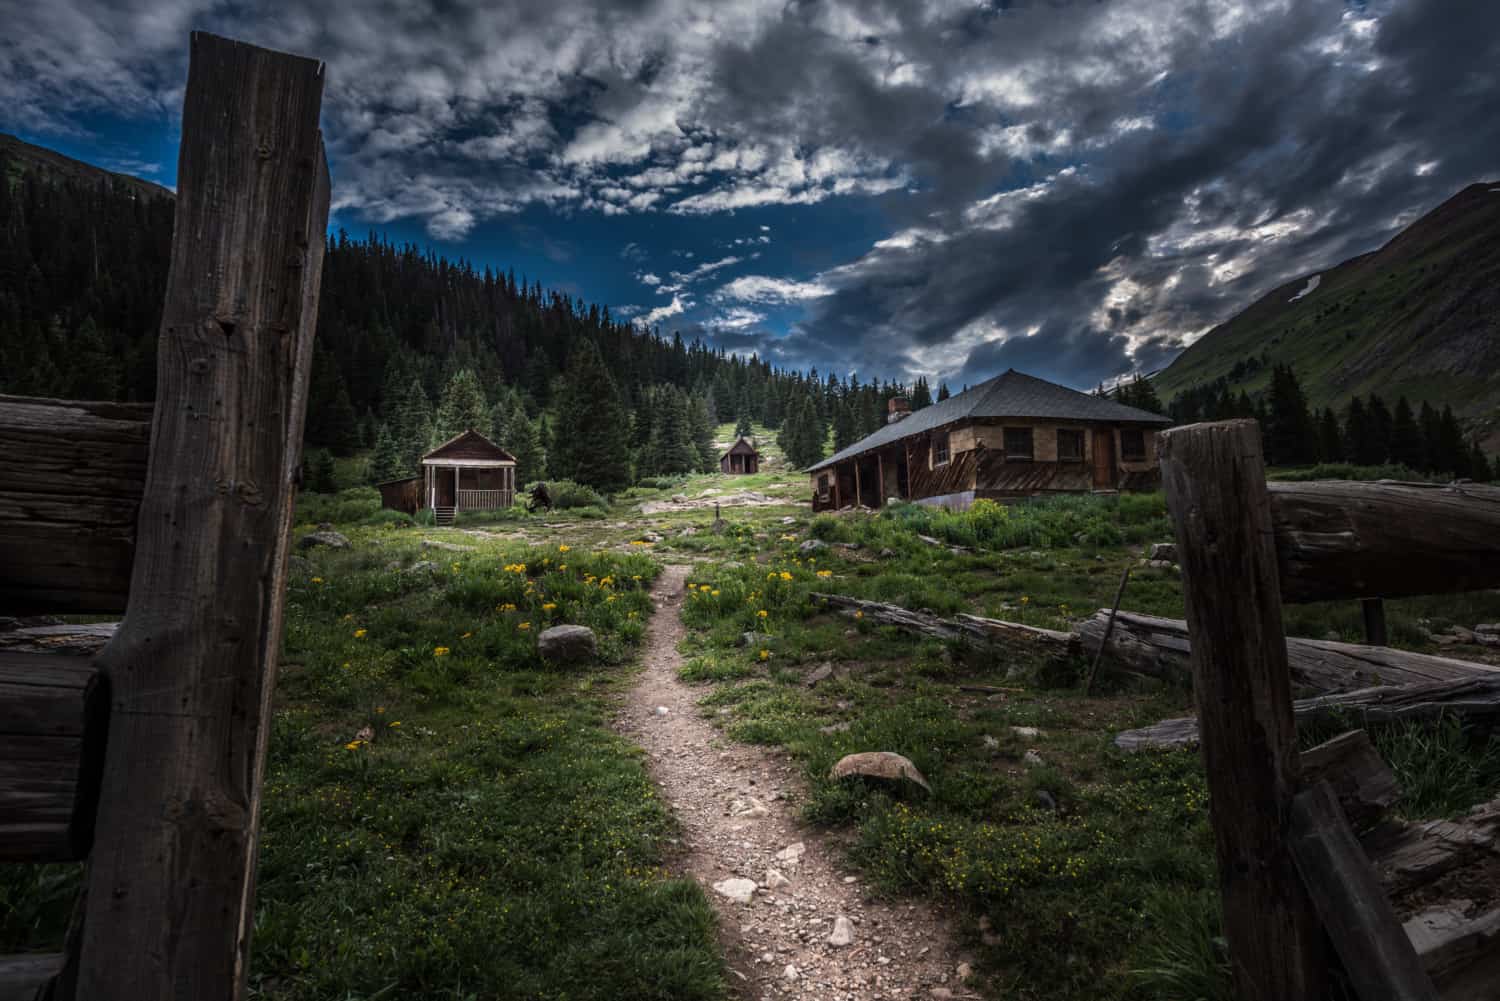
(463, 408)
(943, 392)
(1480, 469)
(1330, 437)
(522, 439)
(413, 426)
(385, 461)
(590, 437)
(701, 421)
(921, 395)
(1406, 436)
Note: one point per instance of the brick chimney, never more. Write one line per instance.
(897, 408)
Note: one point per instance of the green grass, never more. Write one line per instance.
(445, 816)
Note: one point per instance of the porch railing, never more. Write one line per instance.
(484, 500)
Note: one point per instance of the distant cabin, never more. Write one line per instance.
(1011, 436)
(468, 472)
(741, 458)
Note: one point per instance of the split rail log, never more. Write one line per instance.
(53, 723)
(1473, 699)
(74, 473)
(24, 976)
(1159, 648)
(73, 640)
(1337, 539)
(1214, 479)
(171, 883)
(1377, 955)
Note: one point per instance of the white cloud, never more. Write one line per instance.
(734, 318)
(676, 307)
(763, 289)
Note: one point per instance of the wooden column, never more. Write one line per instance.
(879, 479)
(171, 884)
(1214, 476)
(858, 493)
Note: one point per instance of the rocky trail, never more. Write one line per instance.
(794, 923)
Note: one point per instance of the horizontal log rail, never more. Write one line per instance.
(54, 713)
(71, 476)
(1337, 539)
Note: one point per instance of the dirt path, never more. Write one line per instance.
(738, 824)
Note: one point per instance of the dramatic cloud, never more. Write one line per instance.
(1074, 188)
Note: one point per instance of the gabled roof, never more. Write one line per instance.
(1009, 394)
(470, 445)
(742, 440)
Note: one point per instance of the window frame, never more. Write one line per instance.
(1125, 454)
(1073, 434)
(945, 448)
(1030, 453)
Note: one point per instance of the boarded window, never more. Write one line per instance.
(1070, 446)
(940, 448)
(1018, 444)
(1132, 444)
(823, 484)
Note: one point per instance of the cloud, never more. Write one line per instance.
(676, 307)
(764, 289)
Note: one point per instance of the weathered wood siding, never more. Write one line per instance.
(401, 495)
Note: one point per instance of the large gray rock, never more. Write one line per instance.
(739, 889)
(1163, 551)
(567, 644)
(812, 546)
(883, 766)
(323, 537)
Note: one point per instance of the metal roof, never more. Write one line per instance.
(1009, 394)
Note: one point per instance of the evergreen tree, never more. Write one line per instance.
(1288, 425)
(319, 471)
(1480, 469)
(943, 393)
(463, 408)
(701, 421)
(1139, 393)
(921, 395)
(1330, 437)
(1360, 444)
(413, 427)
(1406, 436)
(385, 461)
(1381, 423)
(845, 428)
(1430, 424)
(1452, 454)
(590, 437)
(742, 428)
(523, 440)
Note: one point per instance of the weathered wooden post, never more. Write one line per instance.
(171, 882)
(1214, 476)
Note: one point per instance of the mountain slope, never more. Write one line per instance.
(24, 156)
(1419, 317)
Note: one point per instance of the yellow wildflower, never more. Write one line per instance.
(359, 634)
(466, 636)
(705, 587)
(523, 625)
(563, 548)
(549, 606)
(765, 654)
(380, 709)
(785, 575)
(317, 580)
(1025, 600)
(825, 573)
(354, 745)
(394, 722)
(440, 651)
(859, 615)
(715, 593)
(762, 613)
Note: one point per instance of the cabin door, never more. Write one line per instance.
(1104, 459)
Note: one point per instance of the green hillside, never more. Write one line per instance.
(1420, 318)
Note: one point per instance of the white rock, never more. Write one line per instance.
(662, 710)
(749, 807)
(790, 973)
(1032, 759)
(843, 932)
(990, 743)
(775, 880)
(792, 853)
(741, 891)
(1029, 732)
(965, 971)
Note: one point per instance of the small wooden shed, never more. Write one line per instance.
(468, 472)
(404, 494)
(741, 458)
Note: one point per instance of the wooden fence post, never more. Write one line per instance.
(171, 883)
(1214, 476)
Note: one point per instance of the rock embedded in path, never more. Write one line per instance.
(567, 644)
(741, 891)
(822, 672)
(323, 537)
(883, 766)
(749, 807)
(843, 932)
(775, 880)
(792, 854)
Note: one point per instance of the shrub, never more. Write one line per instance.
(389, 516)
(351, 506)
(1348, 471)
(567, 495)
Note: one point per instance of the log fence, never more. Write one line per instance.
(1293, 874)
(147, 757)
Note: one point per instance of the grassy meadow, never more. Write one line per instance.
(447, 817)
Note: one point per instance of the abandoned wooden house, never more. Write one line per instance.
(1011, 436)
(741, 458)
(468, 472)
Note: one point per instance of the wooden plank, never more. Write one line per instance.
(74, 640)
(171, 890)
(1377, 955)
(1160, 648)
(1337, 539)
(1475, 699)
(1411, 855)
(54, 714)
(24, 974)
(1365, 785)
(1214, 478)
(71, 475)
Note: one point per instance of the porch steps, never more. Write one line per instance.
(443, 515)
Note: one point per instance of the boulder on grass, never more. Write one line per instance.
(567, 644)
(323, 537)
(881, 766)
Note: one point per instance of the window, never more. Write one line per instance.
(940, 448)
(1132, 444)
(1069, 446)
(823, 485)
(1018, 444)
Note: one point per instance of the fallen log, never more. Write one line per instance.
(1472, 699)
(972, 629)
(1159, 647)
(69, 640)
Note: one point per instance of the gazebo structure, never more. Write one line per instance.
(741, 458)
(467, 473)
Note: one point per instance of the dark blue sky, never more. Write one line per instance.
(943, 188)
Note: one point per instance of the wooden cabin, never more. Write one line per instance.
(404, 494)
(467, 473)
(1011, 436)
(741, 458)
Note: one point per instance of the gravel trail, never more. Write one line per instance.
(737, 808)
